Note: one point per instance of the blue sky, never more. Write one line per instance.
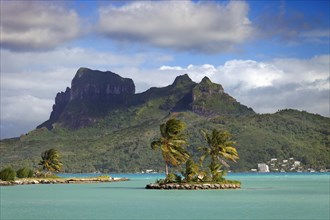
(269, 55)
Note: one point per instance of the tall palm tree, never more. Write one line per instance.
(51, 160)
(220, 148)
(172, 143)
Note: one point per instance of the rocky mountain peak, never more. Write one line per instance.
(182, 80)
(206, 80)
(207, 86)
(94, 84)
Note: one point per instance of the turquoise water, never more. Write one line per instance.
(280, 196)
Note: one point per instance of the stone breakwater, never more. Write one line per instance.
(193, 186)
(60, 181)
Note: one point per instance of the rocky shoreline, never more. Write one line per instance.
(187, 186)
(60, 181)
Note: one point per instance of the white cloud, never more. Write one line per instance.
(170, 68)
(66, 57)
(36, 25)
(22, 113)
(27, 97)
(207, 27)
(31, 108)
(250, 74)
(306, 71)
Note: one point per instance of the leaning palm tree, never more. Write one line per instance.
(51, 160)
(220, 148)
(172, 143)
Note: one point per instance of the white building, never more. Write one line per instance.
(296, 163)
(263, 168)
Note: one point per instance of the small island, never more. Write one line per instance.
(194, 186)
(208, 173)
(51, 164)
(58, 180)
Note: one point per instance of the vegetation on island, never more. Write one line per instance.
(8, 174)
(25, 172)
(219, 149)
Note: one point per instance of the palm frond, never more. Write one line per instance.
(156, 144)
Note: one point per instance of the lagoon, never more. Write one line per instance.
(263, 196)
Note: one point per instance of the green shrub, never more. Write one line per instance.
(192, 171)
(39, 174)
(24, 172)
(31, 173)
(7, 174)
(170, 178)
(173, 178)
(160, 181)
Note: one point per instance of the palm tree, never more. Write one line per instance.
(220, 148)
(192, 171)
(172, 143)
(51, 160)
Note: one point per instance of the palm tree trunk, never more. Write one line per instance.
(166, 169)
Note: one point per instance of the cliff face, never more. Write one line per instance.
(93, 84)
(92, 93)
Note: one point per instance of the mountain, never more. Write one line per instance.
(93, 94)
(101, 124)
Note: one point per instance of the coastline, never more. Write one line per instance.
(29, 181)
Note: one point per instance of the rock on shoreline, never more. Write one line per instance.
(60, 181)
(194, 186)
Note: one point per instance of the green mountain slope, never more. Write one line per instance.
(117, 138)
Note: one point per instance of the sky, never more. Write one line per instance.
(269, 55)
